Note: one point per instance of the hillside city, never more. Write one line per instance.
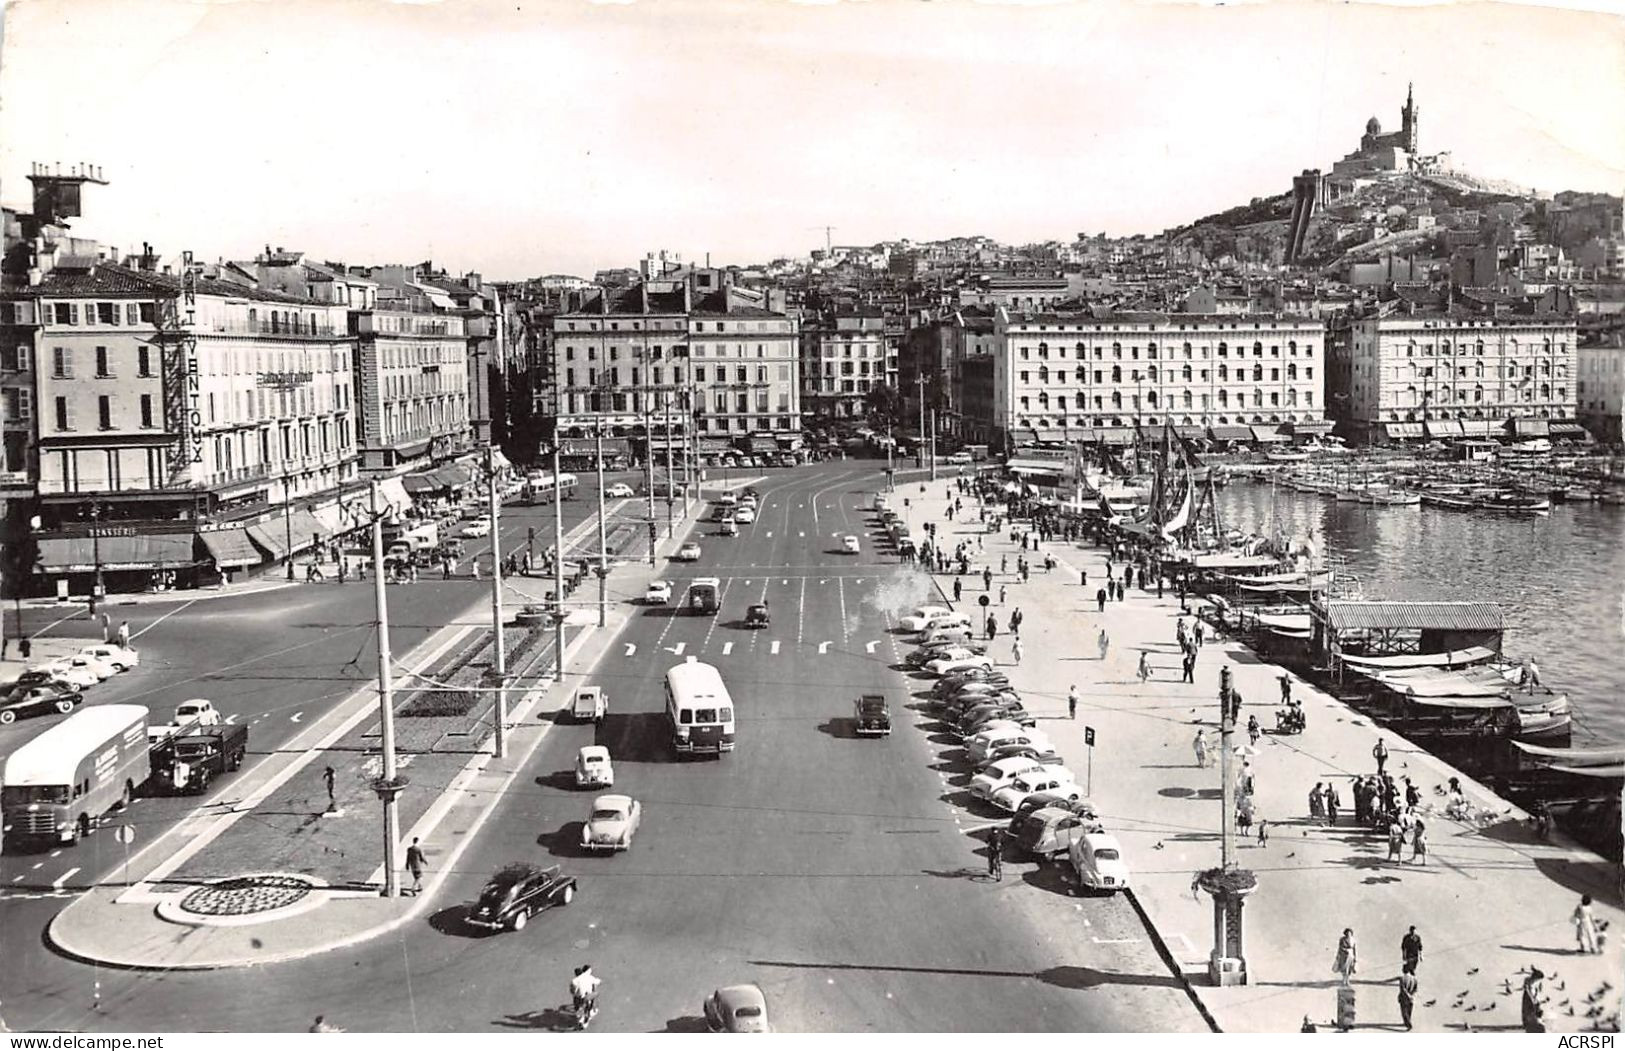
(366, 624)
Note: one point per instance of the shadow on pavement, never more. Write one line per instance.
(551, 1019)
(685, 1024)
(564, 842)
(637, 737)
(839, 728)
(1091, 978)
(453, 921)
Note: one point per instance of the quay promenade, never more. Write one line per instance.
(1491, 902)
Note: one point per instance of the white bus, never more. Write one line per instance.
(539, 487)
(700, 710)
(59, 785)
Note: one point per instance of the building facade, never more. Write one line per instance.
(844, 355)
(1449, 374)
(411, 385)
(1601, 388)
(1057, 376)
(651, 358)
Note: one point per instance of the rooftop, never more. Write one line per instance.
(111, 279)
(1415, 616)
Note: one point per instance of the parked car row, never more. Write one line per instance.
(59, 685)
(1013, 764)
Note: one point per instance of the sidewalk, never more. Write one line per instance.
(1490, 902)
(138, 925)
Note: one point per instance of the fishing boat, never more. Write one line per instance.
(1387, 496)
(1606, 755)
(1462, 658)
(1454, 499)
(1512, 502)
(1437, 682)
(1286, 456)
(1548, 719)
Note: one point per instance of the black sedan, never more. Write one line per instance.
(757, 616)
(37, 699)
(519, 891)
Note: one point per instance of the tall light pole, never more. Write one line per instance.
(665, 406)
(920, 455)
(501, 668)
(287, 518)
(558, 558)
(649, 468)
(389, 784)
(603, 549)
(96, 555)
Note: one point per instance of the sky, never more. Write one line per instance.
(524, 138)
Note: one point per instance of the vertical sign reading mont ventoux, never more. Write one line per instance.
(182, 378)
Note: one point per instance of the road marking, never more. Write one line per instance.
(801, 611)
(56, 853)
(57, 883)
(727, 648)
(18, 879)
(631, 648)
(231, 719)
(678, 649)
(1114, 941)
(840, 587)
(823, 647)
(770, 533)
(802, 535)
(296, 716)
(160, 620)
(786, 582)
(870, 647)
(774, 648)
(37, 864)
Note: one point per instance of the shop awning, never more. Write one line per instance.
(1083, 435)
(1566, 429)
(1479, 428)
(714, 446)
(763, 443)
(1403, 430)
(423, 482)
(230, 548)
(1531, 428)
(1444, 429)
(1115, 435)
(82, 554)
(1230, 433)
(270, 541)
(1311, 427)
(331, 518)
(1267, 434)
(1191, 430)
(393, 493)
(454, 475)
(1036, 466)
(499, 461)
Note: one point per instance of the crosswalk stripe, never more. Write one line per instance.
(775, 647)
(60, 880)
(727, 648)
(823, 647)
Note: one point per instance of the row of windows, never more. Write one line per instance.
(1117, 400)
(699, 326)
(101, 313)
(1152, 351)
(1411, 396)
(742, 374)
(1154, 421)
(1151, 375)
(658, 353)
(229, 362)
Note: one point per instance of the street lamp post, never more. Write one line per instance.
(665, 408)
(501, 668)
(390, 784)
(287, 518)
(95, 555)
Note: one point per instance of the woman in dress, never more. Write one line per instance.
(1344, 966)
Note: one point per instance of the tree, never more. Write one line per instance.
(884, 404)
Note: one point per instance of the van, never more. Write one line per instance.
(1051, 832)
(704, 596)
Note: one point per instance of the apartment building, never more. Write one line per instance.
(1601, 387)
(1081, 377)
(844, 354)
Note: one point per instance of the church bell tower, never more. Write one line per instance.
(1409, 119)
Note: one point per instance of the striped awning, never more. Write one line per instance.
(1230, 433)
(1404, 430)
(1479, 428)
(1311, 427)
(230, 548)
(1444, 429)
(1191, 430)
(82, 554)
(1267, 434)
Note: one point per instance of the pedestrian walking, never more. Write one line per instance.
(1252, 729)
(124, 634)
(1083, 578)
(1144, 671)
(1198, 632)
(1585, 927)
(107, 627)
(1103, 642)
(1410, 949)
(1419, 844)
(1379, 752)
(1026, 571)
(1004, 563)
(1001, 594)
(1263, 832)
(1332, 803)
(414, 864)
(1072, 702)
(987, 579)
(1015, 621)
(1396, 842)
(1345, 964)
(1286, 689)
(1317, 802)
(1533, 1009)
(1100, 600)
(995, 857)
(1413, 795)
(327, 779)
(992, 626)
(1407, 994)
(956, 589)
(1180, 632)
(1189, 668)
(1015, 652)
(1199, 746)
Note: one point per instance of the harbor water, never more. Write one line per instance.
(1560, 579)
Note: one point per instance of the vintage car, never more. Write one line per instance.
(850, 545)
(978, 745)
(611, 824)
(658, 593)
(953, 634)
(745, 515)
(757, 616)
(198, 712)
(590, 705)
(944, 665)
(64, 669)
(871, 715)
(917, 620)
(619, 489)
(1040, 800)
(593, 768)
(1010, 796)
(32, 700)
(973, 722)
(1047, 756)
(947, 622)
(1097, 858)
(729, 528)
(122, 658)
(517, 892)
(737, 1009)
(728, 500)
(102, 668)
(480, 527)
(1051, 832)
(996, 775)
(689, 552)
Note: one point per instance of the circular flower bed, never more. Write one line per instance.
(246, 895)
(1228, 883)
